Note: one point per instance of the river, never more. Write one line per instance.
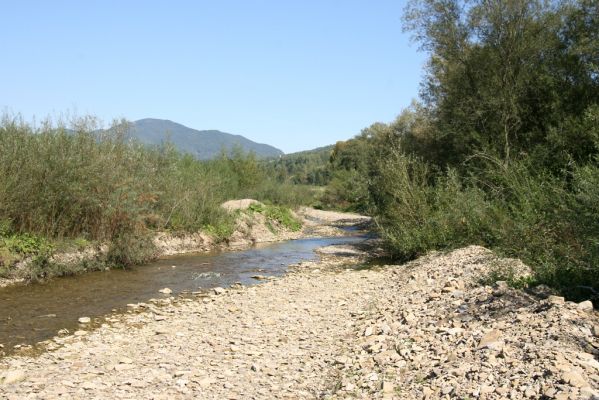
(32, 313)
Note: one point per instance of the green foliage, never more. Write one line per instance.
(351, 165)
(303, 168)
(502, 152)
(546, 221)
(282, 215)
(221, 230)
(415, 216)
(27, 245)
(503, 75)
(96, 185)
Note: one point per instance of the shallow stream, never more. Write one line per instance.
(29, 314)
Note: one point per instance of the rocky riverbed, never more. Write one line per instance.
(332, 329)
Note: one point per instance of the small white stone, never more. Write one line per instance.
(219, 290)
(586, 306)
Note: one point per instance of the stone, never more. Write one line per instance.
(219, 290)
(556, 300)
(89, 386)
(84, 320)
(486, 389)
(574, 379)
(207, 381)
(589, 393)
(166, 291)
(445, 390)
(491, 340)
(585, 306)
(342, 360)
(123, 367)
(13, 376)
(388, 387)
(379, 334)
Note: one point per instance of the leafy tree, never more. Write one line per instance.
(503, 73)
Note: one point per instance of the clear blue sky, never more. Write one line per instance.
(294, 74)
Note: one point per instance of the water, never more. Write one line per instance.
(29, 314)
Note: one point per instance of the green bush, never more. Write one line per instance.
(547, 221)
(415, 216)
(98, 186)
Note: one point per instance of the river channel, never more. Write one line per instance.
(32, 313)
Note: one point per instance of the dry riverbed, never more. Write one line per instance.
(331, 329)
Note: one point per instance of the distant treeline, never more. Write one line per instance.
(502, 150)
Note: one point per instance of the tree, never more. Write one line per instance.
(503, 73)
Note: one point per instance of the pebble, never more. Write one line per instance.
(219, 290)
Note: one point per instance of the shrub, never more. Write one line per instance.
(415, 215)
(96, 185)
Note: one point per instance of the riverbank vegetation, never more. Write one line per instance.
(502, 150)
(63, 187)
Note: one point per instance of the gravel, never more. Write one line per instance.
(335, 330)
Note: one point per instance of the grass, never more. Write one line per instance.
(282, 215)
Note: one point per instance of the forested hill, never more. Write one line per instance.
(202, 144)
(308, 167)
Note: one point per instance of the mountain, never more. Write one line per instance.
(202, 144)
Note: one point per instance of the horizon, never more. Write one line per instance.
(294, 76)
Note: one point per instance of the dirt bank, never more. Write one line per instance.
(332, 329)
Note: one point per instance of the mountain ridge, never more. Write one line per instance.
(203, 144)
